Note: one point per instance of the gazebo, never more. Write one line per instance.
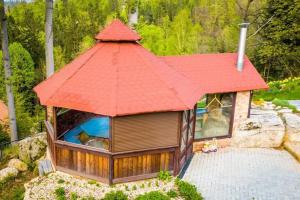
(119, 113)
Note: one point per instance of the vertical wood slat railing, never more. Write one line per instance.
(106, 166)
(50, 141)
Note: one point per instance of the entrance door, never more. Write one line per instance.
(187, 136)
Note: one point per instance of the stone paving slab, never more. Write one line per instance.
(245, 174)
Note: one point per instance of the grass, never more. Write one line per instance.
(15, 186)
(284, 103)
(287, 89)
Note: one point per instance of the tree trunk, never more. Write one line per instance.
(7, 69)
(49, 38)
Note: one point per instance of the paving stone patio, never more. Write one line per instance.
(245, 174)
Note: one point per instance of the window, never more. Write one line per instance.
(213, 116)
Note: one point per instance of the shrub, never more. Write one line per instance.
(134, 187)
(92, 182)
(11, 152)
(154, 195)
(3, 135)
(164, 176)
(60, 181)
(115, 195)
(60, 193)
(188, 191)
(74, 196)
(18, 193)
(172, 193)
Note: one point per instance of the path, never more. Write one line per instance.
(245, 174)
(295, 103)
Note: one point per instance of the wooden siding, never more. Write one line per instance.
(145, 131)
(144, 163)
(82, 161)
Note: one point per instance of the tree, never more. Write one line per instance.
(7, 69)
(49, 38)
(278, 51)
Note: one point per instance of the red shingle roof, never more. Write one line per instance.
(117, 31)
(121, 78)
(217, 73)
(118, 79)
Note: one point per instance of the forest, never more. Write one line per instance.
(169, 27)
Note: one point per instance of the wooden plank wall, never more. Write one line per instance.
(145, 131)
(83, 162)
(147, 163)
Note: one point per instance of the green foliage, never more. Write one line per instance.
(284, 103)
(164, 176)
(18, 193)
(115, 195)
(187, 190)
(14, 187)
(154, 195)
(278, 50)
(74, 196)
(60, 193)
(287, 89)
(3, 135)
(10, 152)
(134, 187)
(172, 193)
(60, 181)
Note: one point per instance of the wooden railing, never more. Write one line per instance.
(106, 166)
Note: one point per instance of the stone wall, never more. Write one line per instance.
(241, 109)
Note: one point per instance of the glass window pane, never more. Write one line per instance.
(213, 115)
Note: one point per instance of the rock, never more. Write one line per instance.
(292, 127)
(285, 110)
(32, 148)
(293, 148)
(249, 124)
(264, 129)
(18, 164)
(268, 106)
(7, 173)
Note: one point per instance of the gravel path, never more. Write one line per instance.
(245, 174)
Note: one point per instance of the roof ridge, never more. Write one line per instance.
(75, 72)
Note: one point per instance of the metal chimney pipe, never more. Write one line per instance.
(242, 46)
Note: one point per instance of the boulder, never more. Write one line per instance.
(7, 173)
(293, 148)
(285, 110)
(18, 164)
(292, 127)
(263, 129)
(32, 148)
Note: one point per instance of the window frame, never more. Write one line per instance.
(229, 135)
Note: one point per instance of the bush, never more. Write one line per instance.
(3, 135)
(154, 195)
(164, 176)
(74, 196)
(60, 193)
(188, 191)
(118, 195)
(172, 193)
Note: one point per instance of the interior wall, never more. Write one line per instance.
(145, 131)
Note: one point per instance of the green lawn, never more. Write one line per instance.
(287, 89)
